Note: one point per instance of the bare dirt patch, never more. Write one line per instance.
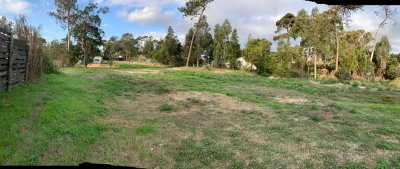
(336, 85)
(142, 71)
(219, 100)
(98, 66)
(292, 100)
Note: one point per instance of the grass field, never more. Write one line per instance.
(156, 117)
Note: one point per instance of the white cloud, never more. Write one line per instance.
(15, 6)
(148, 15)
(145, 12)
(369, 21)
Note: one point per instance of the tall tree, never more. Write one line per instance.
(194, 9)
(226, 30)
(234, 50)
(171, 49)
(256, 52)
(285, 23)
(388, 13)
(5, 24)
(87, 23)
(65, 9)
(112, 48)
(148, 48)
(128, 45)
(218, 46)
(383, 55)
(340, 12)
(316, 35)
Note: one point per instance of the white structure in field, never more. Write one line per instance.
(97, 60)
(246, 65)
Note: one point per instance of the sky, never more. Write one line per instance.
(152, 17)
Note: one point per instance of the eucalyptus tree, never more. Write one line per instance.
(226, 30)
(388, 14)
(63, 14)
(339, 14)
(203, 41)
(234, 50)
(148, 48)
(354, 51)
(128, 45)
(194, 9)
(316, 35)
(218, 46)
(383, 55)
(285, 23)
(86, 28)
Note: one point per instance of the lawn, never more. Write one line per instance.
(150, 116)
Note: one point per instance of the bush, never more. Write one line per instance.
(355, 84)
(396, 83)
(393, 70)
(48, 65)
(343, 75)
(370, 71)
(165, 107)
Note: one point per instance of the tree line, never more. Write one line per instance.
(326, 48)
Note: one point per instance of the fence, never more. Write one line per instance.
(13, 60)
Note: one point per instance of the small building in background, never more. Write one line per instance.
(97, 60)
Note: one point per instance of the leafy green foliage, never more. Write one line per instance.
(48, 65)
(257, 52)
(165, 107)
(146, 129)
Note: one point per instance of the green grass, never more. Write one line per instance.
(110, 116)
(165, 107)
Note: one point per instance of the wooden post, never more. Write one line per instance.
(10, 62)
(27, 63)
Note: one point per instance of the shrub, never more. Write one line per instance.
(146, 129)
(165, 107)
(343, 75)
(396, 83)
(48, 65)
(355, 84)
(370, 71)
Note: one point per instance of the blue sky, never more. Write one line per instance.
(152, 17)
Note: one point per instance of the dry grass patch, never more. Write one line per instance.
(141, 71)
(292, 100)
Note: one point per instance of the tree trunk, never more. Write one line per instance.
(84, 47)
(375, 42)
(197, 61)
(315, 62)
(69, 38)
(381, 25)
(337, 46)
(288, 36)
(194, 34)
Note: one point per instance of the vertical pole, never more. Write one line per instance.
(10, 59)
(27, 63)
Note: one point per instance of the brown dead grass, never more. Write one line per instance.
(98, 66)
(141, 71)
(292, 100)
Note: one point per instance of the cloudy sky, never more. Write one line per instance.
(152, 17)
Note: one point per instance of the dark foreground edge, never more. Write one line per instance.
(83, 165)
